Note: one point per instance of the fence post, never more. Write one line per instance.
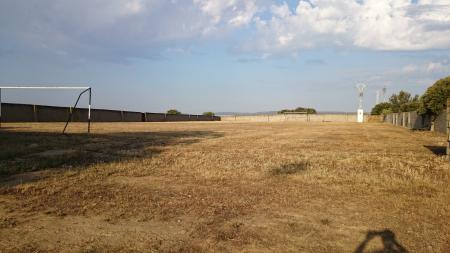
(408, 119)
(35, 116)
(448, 129)
(404, 119)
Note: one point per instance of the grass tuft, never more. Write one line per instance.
(291, 168)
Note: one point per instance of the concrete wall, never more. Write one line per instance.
(412, 120)
(197, 118)
(155, 117)
(440, 123)
(41, 113)
(81, 115)
(100, 115)
(389, 118)
(295, 117)
(205, 118)
(419, 121)
(405, 116)
(375, 118)
(177, 117)
(132, 116)
(18, 113)
(51, 113)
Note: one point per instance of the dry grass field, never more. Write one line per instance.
(223, 187)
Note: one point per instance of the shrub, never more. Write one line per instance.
(311, 111)
(381, 108)
(173, 112)
(210, 114)
(299, 110)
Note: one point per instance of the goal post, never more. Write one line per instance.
(82, 89)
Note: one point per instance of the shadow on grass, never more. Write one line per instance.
(15, 127)
(291, 168)
(390, 244)
(437, 150)
(34, 151)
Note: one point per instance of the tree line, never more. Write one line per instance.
(299, 110)
(432, 102)
(176, 112)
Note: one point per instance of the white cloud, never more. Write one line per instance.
(114, 29)
(438, 67)
(409, 68)
(234, 12)
(371, 24)
(133, 6)
(122, 29)
(431, 67)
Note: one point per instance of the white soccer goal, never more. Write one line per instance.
(83, 89)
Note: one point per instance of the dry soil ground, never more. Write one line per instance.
(223, 187)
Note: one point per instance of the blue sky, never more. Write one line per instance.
(223, 55)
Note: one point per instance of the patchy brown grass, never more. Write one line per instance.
(227, 187)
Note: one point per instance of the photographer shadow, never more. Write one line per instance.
(390, 244)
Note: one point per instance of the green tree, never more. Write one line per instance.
(403, 102)
(311, 111)
(386, 111)
(381, 108)
(210, 114)
(435, 98)
(299, 110)
(412, 105)
(173, 112)
(285, 111)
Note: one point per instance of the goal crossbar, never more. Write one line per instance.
(83, 90)
(47, 87)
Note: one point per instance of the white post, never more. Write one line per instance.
(360, 112)
(89, 110)
(360, 118)
(0, 107)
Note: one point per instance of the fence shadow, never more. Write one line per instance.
(36, 151)
(390, 243)
(437, 150)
